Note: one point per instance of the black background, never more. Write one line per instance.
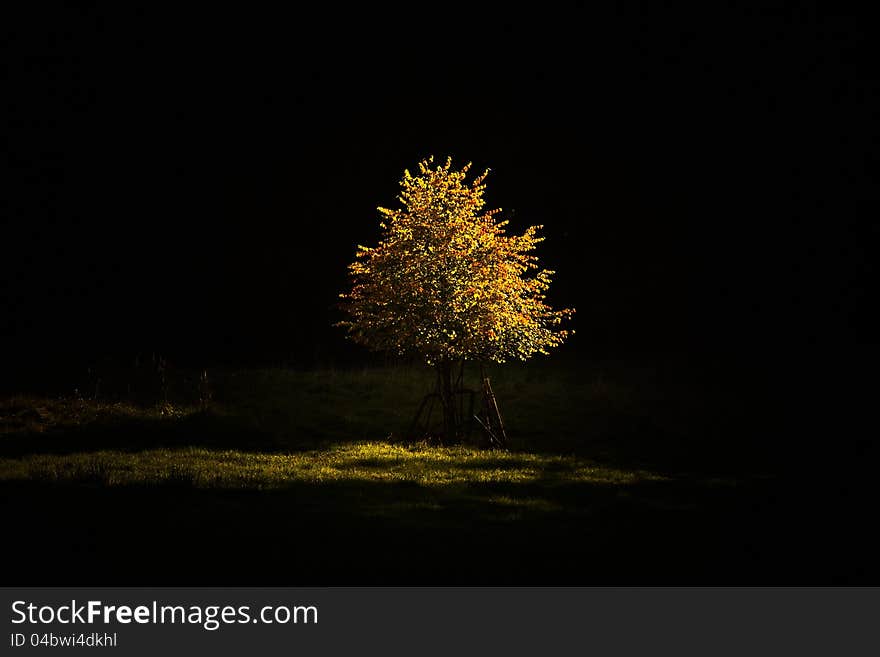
(195, 184)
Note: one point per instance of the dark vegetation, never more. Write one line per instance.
(617, 473)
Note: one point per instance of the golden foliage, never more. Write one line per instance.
(446, 281)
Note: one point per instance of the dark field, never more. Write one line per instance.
(617, 474)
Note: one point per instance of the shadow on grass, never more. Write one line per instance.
(632, 441)
(347, 532)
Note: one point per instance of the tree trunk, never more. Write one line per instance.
(447, 402)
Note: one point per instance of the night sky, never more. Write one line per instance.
(196, 184)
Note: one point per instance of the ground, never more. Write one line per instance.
(617, 474)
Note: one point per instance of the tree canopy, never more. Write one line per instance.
(446, 282)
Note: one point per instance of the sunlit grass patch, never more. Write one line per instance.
(365, 463)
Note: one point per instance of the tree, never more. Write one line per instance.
(446, 283)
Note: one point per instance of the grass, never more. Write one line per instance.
(354, 463)
(285, 473)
